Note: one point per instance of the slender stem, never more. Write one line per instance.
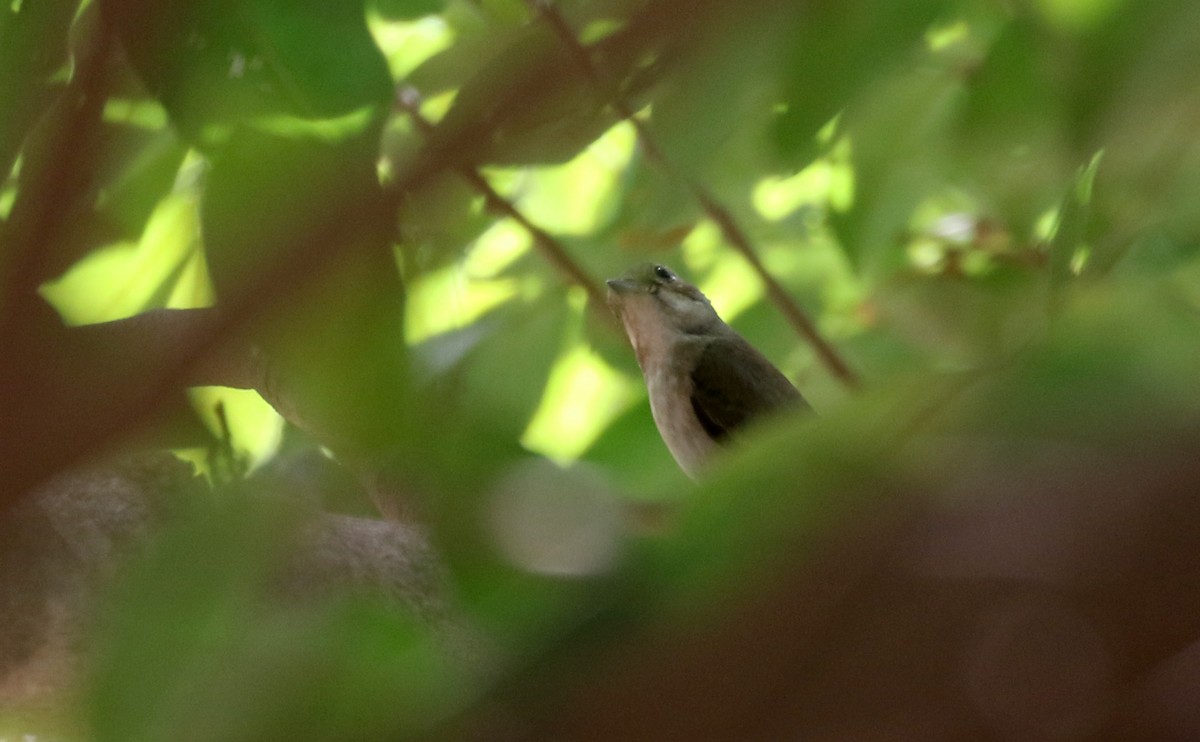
(730, 229)
(551, 249)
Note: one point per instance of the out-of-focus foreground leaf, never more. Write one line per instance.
(988, 209)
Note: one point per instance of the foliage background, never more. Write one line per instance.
(987, 208)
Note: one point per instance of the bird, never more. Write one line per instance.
(705, 381)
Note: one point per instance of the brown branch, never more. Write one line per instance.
(730, 229)
(782, 300)
(551, 249)
(151, 337)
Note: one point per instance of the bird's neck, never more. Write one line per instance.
(652, 339)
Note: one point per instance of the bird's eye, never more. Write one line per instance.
(662, 273)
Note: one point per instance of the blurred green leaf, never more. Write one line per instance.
(186, 601)
(1116, 366)
(506, 373)
(1069, 244)
(216, 65)
(724, 87)
(894, 136)
(559, 110)
(838, 49)
(33, 47)
(196, 647)
(406, 9)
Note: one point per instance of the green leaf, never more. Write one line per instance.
(1070, 234)
(33, 48)
(539, 106)
(1012, 131)
(896, 137)
(187, 599)
(198, 643)
(218, 64)
(406, 9)
(835, 52)
(722, 89)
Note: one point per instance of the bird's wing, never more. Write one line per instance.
(732, 384)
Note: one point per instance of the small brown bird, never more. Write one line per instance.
(705, 381)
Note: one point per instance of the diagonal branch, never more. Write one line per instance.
(551, 249)
(730, 229)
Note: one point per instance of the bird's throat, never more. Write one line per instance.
(649, 334)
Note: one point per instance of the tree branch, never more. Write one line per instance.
(730, 229)
(409, 99)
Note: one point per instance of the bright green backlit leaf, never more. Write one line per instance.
(254, 425)
(826, 181)
(1068, 253)
(145, 114)
(702, 246)
(941, 37)
(732, 286)
(1045, 226)
(926, 255)
(405, 9)
(597, 30)
(434, 108)
(1079, 259)
(829, 181)
(1087, 179)
(583, 397)
(775, 197)
(336, 129)
(119, 280)
(193, 289)
(1078, 15)
(408, 44)
(576, 197)
(841, 178)
(497, 248)
(8, 194)
(449, 299)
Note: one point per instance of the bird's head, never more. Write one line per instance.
(659, 308)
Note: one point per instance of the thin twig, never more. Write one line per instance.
(730, 229)
(782, 300)
(551, 249)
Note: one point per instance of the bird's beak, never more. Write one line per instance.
(621, 285)
(618, 289)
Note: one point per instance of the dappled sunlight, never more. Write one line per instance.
(408, 43)
(453, 297)
(332, 130)
(448, 299)
(1078, 16)
(8, 190)
(582, 398)
(144, 114)
(732, 287)
(576, 197)
(254, 428)
(123, 279)
(827, 183)
(496, 249)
